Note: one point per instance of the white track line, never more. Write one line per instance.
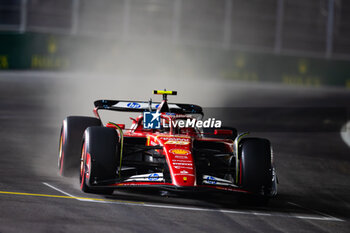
(59, 190)
(323, 217)
(315, 211)
(70, 195)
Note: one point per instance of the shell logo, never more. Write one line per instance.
(180, 151)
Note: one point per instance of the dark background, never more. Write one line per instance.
(278, 69)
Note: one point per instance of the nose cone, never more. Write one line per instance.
(182, 166)
(180, 159)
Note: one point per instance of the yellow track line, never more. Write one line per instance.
(68, 197)
(287, 215)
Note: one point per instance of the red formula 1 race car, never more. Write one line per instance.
(165, 148)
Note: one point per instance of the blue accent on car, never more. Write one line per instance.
(153, 177)
(211, 180)
(133, 105)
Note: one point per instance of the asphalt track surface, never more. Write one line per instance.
(313, 166)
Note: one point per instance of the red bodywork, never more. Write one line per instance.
(177, 150)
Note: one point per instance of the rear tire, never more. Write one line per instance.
(72, 131)
(256, 168)
(100, 159)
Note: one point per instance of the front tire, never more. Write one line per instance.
(99, 159)
(256, 168)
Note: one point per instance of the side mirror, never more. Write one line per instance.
(223, 132)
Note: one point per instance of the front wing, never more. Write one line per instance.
(156, 181)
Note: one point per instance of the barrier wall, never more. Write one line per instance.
(51, 52)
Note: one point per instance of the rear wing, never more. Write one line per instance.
(142, 106)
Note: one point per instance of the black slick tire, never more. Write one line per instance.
(99, 159)
(71, 136)
(256, 168)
